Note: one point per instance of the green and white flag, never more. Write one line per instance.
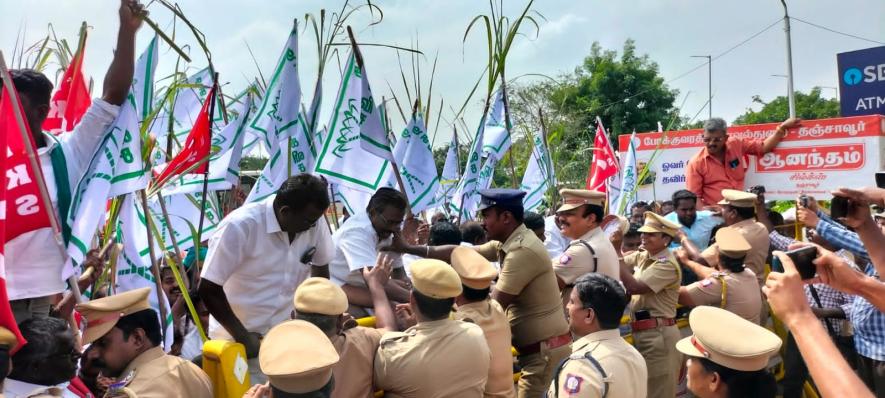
(224, 161)
(353, 200)
(290, 156)
(342, 159)
(466, 196)
(373, 134)
(496, 138)
(416, 165)
(538, 176)
(278, 114)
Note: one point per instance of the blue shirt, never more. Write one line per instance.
(869, 325)
(699, 232)
(840, 237)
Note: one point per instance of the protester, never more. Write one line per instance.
(654, 286)
(33, 263)
(667, 207)
(357, 244)
(721, 163)
(297, 358)
(473, 234)
(526, 287)
(474, 305)
(833, 376)
(259, 255)
(728, 355)
(731, 286)
(458, 349)
(637, 212)
(444, 233)
(323, 304)
(630, 241)
(602, 364)
(45, 365)
(696, 225)
(126, 334)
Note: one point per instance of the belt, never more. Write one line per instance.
(551, 343)
(652, 323)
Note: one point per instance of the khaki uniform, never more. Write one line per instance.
(662, 274)
(436, 359)
(757, 235)
(536, 315)
(155, 374)
(353, 373)
(489, 316)
(740, 290)
(625, 372)
(578, 260)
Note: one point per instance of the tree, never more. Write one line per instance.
(808, 106)
(252, 163)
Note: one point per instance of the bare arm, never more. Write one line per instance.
(119, 75)
(771, 142)
(319, 271)
(216, 302)
(376, 278)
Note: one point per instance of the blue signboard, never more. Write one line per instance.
(862, 81)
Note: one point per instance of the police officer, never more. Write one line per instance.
(475, 305)
(126, 332)
(456, 350)
(297, 358)
(728, 355)
(526, 287)
(732, 286)
(590, 250)
(652, 276)
(602, 364)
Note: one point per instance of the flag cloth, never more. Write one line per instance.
(290, 156)
(353, 200)
(278, 114)
(629, 182)
(416, 165)
(466, 192)
(538, 176)
(70, 102)
(604, 164)
(224, 161)
(196, 147)
(17, 173)
(342, 159)
(496, 139)
(373, 133)
(450, 176)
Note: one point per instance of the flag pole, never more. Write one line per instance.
(509, 128)
(9, 87)
(174, 242)
(155, 267)
(195, 276)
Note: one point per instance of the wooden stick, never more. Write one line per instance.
(174, 242)
(155, 267)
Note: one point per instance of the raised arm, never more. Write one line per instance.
(771, 142)
(119, 75)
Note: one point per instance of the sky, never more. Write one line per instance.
(670, 32)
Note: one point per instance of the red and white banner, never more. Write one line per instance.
(71, 101)
(816, 158)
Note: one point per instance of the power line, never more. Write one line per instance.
(836, 31)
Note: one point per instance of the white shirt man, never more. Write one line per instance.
(356, 246)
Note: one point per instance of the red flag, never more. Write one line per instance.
(71, 101)
(19, 189)
(196, 146)
(604, 163)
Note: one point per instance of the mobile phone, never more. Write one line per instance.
(803, 199)
(307, 257)
(838, 207)
(880, 179)
(803, 260)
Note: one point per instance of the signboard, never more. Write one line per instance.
(816, 158)
(862, 81)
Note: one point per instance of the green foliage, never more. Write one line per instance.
(808, 106)
(249, 163)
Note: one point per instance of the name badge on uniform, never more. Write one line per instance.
(573, 383)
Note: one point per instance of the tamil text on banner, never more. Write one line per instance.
(814, 159)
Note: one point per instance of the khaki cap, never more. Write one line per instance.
(657, 223)
(297, 357)
(475, 271)
(732, 243)
(728, 340)
(101, 315)
(735, 198)
(8, 339)
(574, 198)
(435, 279)
(320, 296)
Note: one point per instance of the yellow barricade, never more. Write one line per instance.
(225, 363)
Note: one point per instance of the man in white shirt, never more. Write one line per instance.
(44, 366)
(357, 244)
(33, 262)
(259, 255)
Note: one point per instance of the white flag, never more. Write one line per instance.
(353, 200)
(342, 158)
(496, 138)
(538, 177)
(467, 189)
(278, 115)
(224, 161)
(416, 165)
(629, 180)
(373, 133)
(290, 157)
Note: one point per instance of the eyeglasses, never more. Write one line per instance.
(391, 223)
(74, 355)
(708, 140)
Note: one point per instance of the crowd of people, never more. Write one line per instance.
(514, 304)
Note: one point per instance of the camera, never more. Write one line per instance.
(803, 200)
(838, 207)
